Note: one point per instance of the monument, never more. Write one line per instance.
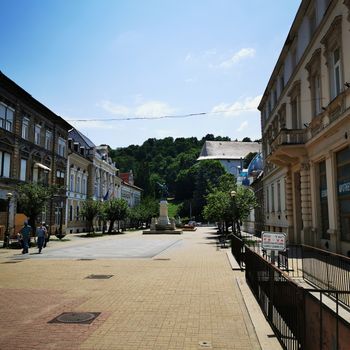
(162, 224)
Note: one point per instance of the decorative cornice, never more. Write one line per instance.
(332, 36)
(295, 89)
(314, 61)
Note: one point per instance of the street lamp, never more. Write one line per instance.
(234, 211)
(7, 231)
(59, 234)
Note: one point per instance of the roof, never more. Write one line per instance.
(227, 149)
(78, 136)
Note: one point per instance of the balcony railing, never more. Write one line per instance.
(289, 137)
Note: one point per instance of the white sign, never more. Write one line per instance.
(274, 241)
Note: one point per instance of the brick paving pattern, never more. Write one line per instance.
(186, 297)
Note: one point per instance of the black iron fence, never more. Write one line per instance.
(302, 318)
(326, 270)
(280, 299)
(237, 249)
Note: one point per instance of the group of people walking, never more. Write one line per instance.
(41, 235)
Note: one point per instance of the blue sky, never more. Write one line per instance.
(110, 59)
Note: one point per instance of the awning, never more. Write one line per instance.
(42, 166)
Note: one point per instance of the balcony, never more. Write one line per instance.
(287, 147)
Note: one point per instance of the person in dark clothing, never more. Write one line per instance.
(25, 236)
(41, 234)
(46, 234)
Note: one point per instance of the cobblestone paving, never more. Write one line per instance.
(184, 298)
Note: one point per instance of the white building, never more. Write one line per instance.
(230, 153)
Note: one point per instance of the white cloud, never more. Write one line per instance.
(113, 108)
(153, 109)
(248, 104)
(237, 57)
(189, 57)
(190, 80)
(243, 126)
(147, 109)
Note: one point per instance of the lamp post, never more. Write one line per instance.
(59, 234)
(234, 211)
(7, 231)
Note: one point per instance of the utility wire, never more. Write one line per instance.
(163, 116)
(182, 116)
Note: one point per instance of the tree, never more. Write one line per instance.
(218, 208)
(207, 174)
(115, 209)
(245, 202)
(247, 139)
(32, 198)
(90, 209)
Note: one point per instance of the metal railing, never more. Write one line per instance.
(279, 299)
(302, 319)
(237, 249)
(326, 270)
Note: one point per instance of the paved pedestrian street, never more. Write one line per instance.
(161, 292)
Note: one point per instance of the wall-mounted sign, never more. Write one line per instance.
(274, 241)
(344, 188)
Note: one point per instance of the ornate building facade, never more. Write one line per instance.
(305, 118)
(32, 149)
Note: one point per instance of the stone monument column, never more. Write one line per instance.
(163, 213)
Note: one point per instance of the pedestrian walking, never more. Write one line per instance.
(46, 234)
(40, 234)
(25, 237)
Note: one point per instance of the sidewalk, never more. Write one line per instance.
(187, 297)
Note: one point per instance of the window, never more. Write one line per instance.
(60, 178)
(267, 200)
(332, 42)
(282, 116)
(37, 133)
(84, 186)
(71, 183)
(25, 128)
(273, 198)
(312, 22)
(343, 189)
(48, 139)
(279, 196)
(274, 96)
(5, 162)
(61, 147)
(23, 173)
(314, 69)
(6, 117)
(294, 58)
(281, 82)
(295, 105)
(77, 213)
(78, 189)
(71, 213)
(323, 197)
(336, 80)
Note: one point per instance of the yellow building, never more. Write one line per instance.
(305, 117)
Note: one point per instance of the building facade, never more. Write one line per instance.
(128, 190)
(305, 118)
(80, 149)
(32, 149)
